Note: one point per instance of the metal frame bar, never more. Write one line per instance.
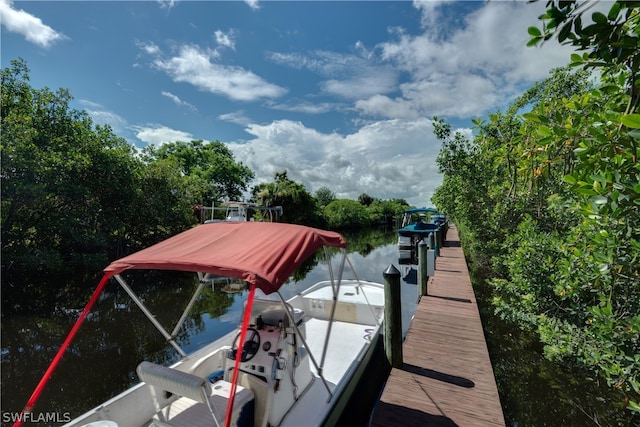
(187, 310)
(373, 313)
(149, 315)
(336, 293)
(292, 321)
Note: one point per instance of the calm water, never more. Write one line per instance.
(117, 336)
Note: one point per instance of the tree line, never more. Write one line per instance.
(76, 196)
(547, 197)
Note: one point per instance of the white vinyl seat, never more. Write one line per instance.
(199, 402)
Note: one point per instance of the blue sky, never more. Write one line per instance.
(339, 94)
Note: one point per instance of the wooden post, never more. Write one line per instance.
(431, 263)
(392, 316)
(436, 240)
(422, 269)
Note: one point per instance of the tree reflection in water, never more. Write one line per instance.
(116, 336)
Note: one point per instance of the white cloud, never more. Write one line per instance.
(385, 159)
(167, 4)
(253, 4)
(349, 76)
(194, 66)
(101, 116)
(467, 71)
(225, 39)
(179, 102)
(158, 134)
(383, 106)
(31, 27)
(237, 117)
(305, 106)
(362, 85)
(149, 48)
(322, 62)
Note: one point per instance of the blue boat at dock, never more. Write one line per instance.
(417, 224)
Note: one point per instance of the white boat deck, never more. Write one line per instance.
(350, 338)
(350, 292)
(343, 348)
(343, 356)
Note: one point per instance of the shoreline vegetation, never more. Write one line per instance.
(547, 199)
(75, 195)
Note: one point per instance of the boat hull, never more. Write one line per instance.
(354, 334)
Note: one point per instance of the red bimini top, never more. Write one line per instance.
(262, 253)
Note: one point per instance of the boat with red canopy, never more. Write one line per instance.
(290, 362)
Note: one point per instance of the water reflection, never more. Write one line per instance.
(116, 336)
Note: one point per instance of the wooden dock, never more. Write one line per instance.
(447, 378)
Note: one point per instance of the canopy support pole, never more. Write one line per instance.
(236, 367)
(304, 342)
(149, 315)
(336, 293)
(54, 363)
(327, 256)
(188, 309)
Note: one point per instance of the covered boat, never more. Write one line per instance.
(290, 363)
(417, 224)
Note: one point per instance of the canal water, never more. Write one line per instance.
(116, 337)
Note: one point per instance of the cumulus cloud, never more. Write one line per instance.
(225, 39)
(195, 66)
(383, 106)
(464, 72)
(237, 117)
(385, 159)
(157, 134)
(29, 26)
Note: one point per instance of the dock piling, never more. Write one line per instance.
(431, 263)
(432, 241)
(392, 316)
(423, 276)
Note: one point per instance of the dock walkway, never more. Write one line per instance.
(447, 378)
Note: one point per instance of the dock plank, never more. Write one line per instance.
(447, 378)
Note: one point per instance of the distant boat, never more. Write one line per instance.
(417, 223)
(228, 285)
(289, 363)
(241, 212)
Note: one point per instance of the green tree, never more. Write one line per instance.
(325, 196)
(365, 199)
(67, 189)
(555, 218)
(299, 206)
(164, 205)
(598, 282)
(343, 213)
(209, 169)
(383, 212)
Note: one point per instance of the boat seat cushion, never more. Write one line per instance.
(199, 400)
(174, 381)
